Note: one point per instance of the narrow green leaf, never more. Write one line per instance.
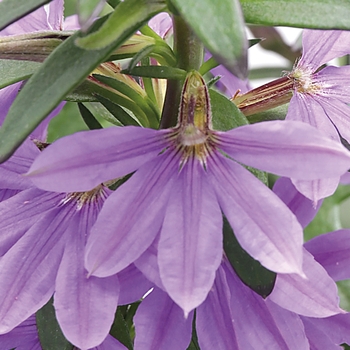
(129, 14)
(194, 339)
(322, 14)
(13, 71)
(226, 115)
(89, 118)
(119, 113)
(160, 72)
(277, 113)
(61, 72)
(50, 334)
(249, 270)
(143, 53)
(120, 329)
(220, 26)
(113, 3)
(11, 11)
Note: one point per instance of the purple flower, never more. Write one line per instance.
(25, 336)
(43, 235)
(185, 177)
(320, 96)
(234, 317)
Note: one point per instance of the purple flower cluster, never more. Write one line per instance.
(158, 237)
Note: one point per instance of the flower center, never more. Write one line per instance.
(304, 81)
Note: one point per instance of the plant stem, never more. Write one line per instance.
(189, 52)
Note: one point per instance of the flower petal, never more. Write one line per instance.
(160, 324)
(332, 251)
(82, 161)
(55, 14)
(286, 148)
(190, 245)
(130, 218)
(321, 46)
(262, 223)
(85, 307)
(133, 285)
(301, 206)
(214, 324)
(28, 270)
(314, 296)
(260, 325)
(317, 189)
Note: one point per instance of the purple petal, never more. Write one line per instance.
(133, 285)
(300, 206)
(110, 343)
(55, 14)
(23, 337)
(160, 324)
(332, 251)
(313, 296)
(321, 46)
(190, 245)
(260, 325)
(20, 212)
(71, 23)
(161, 24)
(28, 270)
(310, 110)
(336, 328)
(286, 148)
(317, 189)
(81, 161)
(85, 307)
(214, 324)
(7, 96)
(131, 218)
(334, 82)
(262, 223)
(147, 263)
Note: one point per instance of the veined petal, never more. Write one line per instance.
(334, 82)
(308, 109)
(190, 245)
(321, 46)
(300, 206)
(336, 328)
(131, 218)
(28, 270)
(214, 324)
(260, 326)
(314, 296)
(262, 223)
(133, 285)
(20, 212)
(317, 189)
(82, 161)
(286, 148)
(160, 324)
(332, 251)
(7, 96)
(85, 307)
(54, 12)
(110, 343)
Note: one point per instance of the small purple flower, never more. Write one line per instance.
(321, 95)
(185, 178)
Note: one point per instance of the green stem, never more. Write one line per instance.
(189, 52)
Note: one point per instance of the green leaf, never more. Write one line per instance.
(129, 14)
(50, 334)
(61, 72)
(328, 217)
(220, 26)
(194, 339)
(88, 10)
(120, 329)
(89, 118)
(323, 14)
(277, 113)
(160, 72)
(249, 270)
(119, 113)
(113, 3)
(11, 11)
(13, 71)
(226, 115)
